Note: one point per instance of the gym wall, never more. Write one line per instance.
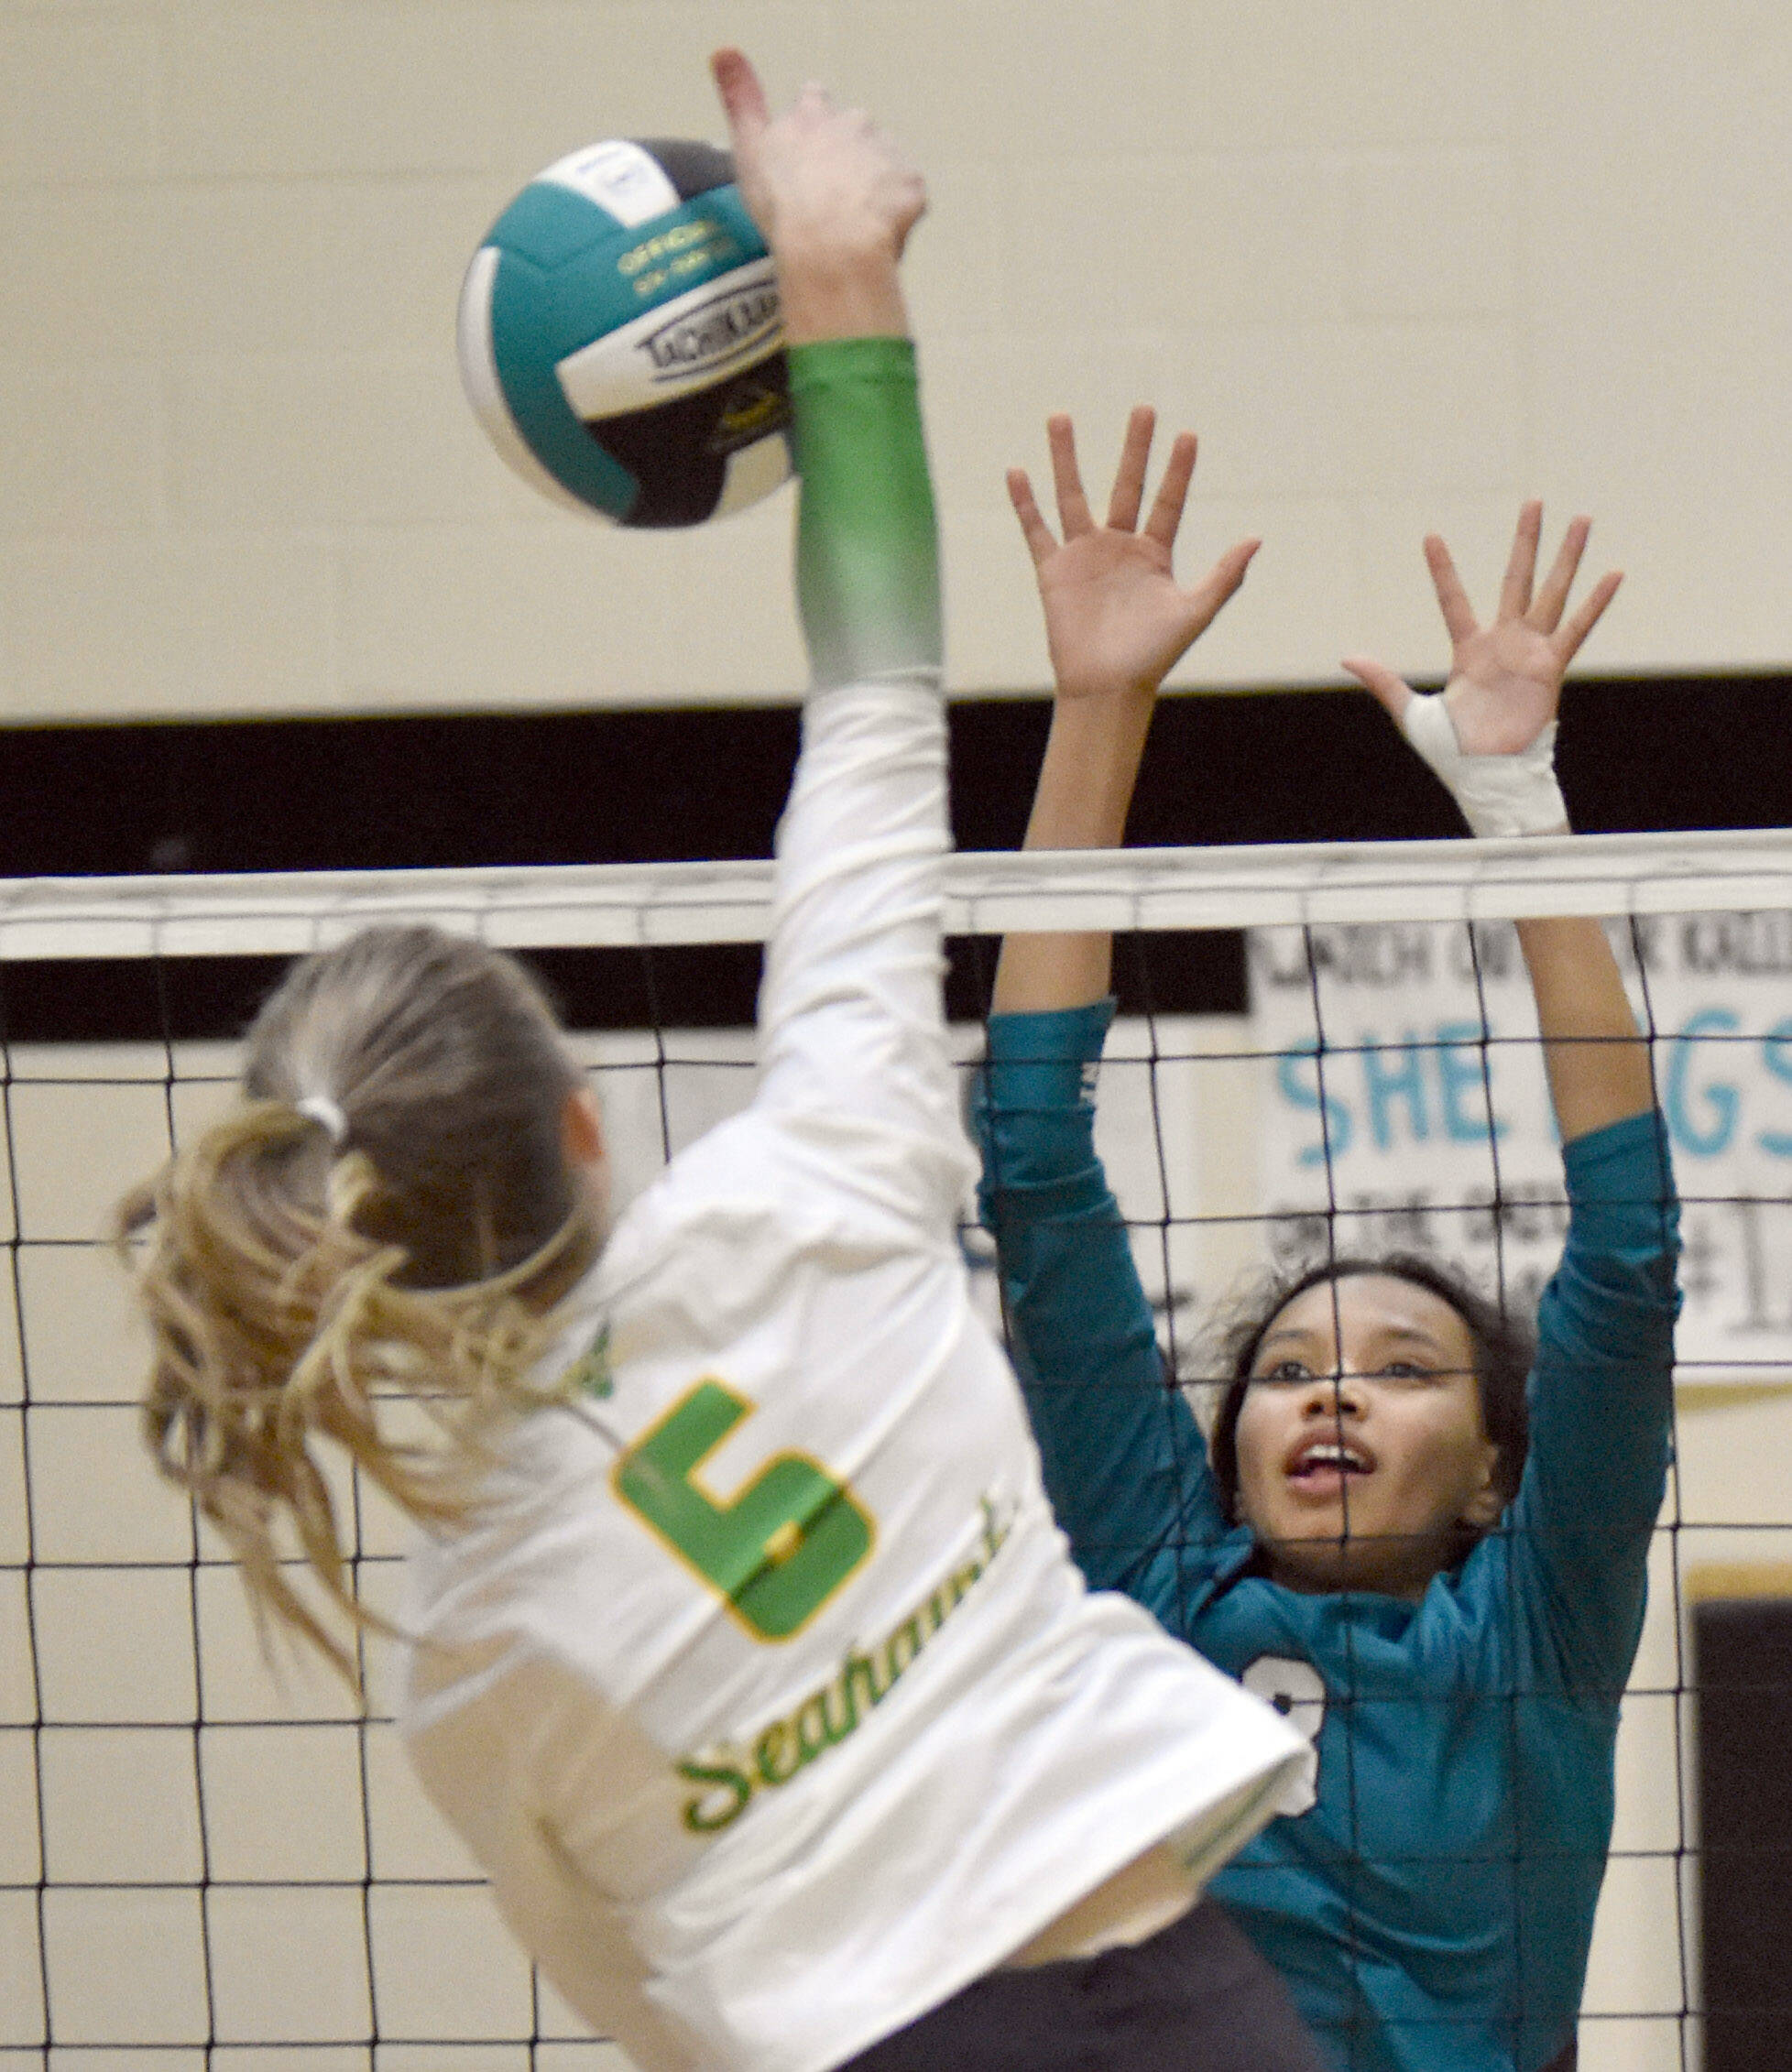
(1401, 262)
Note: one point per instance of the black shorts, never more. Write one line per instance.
(1196, 1997)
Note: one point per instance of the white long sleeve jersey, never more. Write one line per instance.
(764, 1686)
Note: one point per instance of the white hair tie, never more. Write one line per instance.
(320, 1108)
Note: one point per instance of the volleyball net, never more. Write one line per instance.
(205, 1861)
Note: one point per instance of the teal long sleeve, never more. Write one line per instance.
(1432, 1910)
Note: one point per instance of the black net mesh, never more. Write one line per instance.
(209, 1860)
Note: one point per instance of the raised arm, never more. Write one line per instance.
(1124, 1462)
(1490, 737)
(837, 203)
(1603, 1394)
(852, 1036)
(1115, 624)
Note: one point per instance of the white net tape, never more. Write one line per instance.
(624, 904)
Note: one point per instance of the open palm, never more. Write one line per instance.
(1505, 678)
(1116, 620)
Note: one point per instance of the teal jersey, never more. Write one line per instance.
(1432, 1910)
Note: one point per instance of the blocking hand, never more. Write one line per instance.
(1116, 620)
(820, 179)
(1505, 678)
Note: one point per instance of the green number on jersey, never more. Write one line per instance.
(779, 1550)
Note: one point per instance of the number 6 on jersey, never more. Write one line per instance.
(784, 1545)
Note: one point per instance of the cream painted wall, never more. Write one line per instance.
(1400, 261)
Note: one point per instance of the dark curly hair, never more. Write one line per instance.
(1504, 1349)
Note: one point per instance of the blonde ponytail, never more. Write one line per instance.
(280, 1270)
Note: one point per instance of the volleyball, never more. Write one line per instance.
(621, 340)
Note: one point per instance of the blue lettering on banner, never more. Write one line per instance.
(1702, 1139)
(1384, 1087)
(1467, 1095)
(1336, 1133)
(1776, 1055)
(1396, 1106)
(1406, 1100)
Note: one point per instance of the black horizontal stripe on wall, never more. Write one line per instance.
(598, 786)
(679, 986)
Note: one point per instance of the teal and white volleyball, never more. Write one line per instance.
(621, 341)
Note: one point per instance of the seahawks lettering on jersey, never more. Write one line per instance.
(730, 1774)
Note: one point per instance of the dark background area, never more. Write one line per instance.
(1744, 1676)
(617, 787)
(620, 787)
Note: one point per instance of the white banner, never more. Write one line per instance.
(1430, 1107)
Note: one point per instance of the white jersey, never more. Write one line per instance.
(765, 1687)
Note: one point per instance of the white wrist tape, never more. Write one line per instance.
(1498, 794)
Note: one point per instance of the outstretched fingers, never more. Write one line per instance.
(1220, 583)
(743, 97)
(1452, 599)
(1172, 494)
(1034, 527)
(1391, 692)
(1129, 491)
(1074, 514)
(1522, 564)
(1551, 600)
(1591, 609)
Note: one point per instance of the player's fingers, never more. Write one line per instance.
(1551, 600)
(743, 97)
(1128, 490)
(1222, 581)
(1172, 493)
(1033, 528)
(1074, 517)
(1452, 599)
(1522, 563)
(1567, 643)
(1391, 692)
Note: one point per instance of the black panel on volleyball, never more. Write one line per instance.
(678, 451)
(692, 168)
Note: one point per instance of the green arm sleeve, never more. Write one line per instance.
(868, 573)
